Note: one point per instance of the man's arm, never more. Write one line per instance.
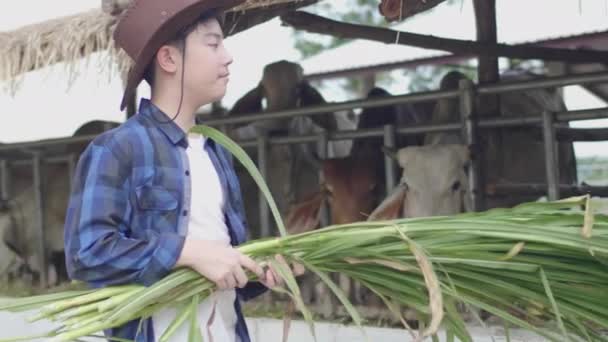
(97, 244)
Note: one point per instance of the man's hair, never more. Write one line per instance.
(179, 40)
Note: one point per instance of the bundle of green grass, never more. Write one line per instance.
(539, 266)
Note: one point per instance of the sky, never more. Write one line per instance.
(45, 107)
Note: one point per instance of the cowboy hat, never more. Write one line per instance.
(148, 24)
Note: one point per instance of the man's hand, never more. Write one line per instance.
(272, 278)
(223, 265)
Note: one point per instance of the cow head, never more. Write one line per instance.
(10, 261)
(282, 87)
(433, 183)
(350, 188)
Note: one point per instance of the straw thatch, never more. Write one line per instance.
(66, 40)
(69, 39)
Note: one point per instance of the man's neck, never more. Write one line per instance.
(169, 104)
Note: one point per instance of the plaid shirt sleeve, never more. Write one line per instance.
(98, 246)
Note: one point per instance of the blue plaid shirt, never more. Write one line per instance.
(128, 211)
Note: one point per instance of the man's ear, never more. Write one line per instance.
(167, 58)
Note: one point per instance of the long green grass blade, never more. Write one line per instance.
(244, 159)
(556, 310)
(177, 322)
(194, 334)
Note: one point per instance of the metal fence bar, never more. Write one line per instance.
(40, 222)
(545, 82)
(46, 142)
(5, 176)
(470, 137)
(551, 163)
(585, 114)
(422, 129)
(333, 107)
(263, 167)
(72, 161)
(389, 163)
(48, 160)
(588, 114)
(322, 147)
(539, 189)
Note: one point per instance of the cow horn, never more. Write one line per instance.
(389, 151)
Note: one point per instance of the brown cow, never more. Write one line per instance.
(292, 170)
(352, 185)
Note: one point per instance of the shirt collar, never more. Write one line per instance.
(163, 122)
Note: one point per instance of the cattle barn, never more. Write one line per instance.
(465, 145)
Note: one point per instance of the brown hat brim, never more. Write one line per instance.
(168, 30)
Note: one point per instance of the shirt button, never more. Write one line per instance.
(187, 172)
(185, 212)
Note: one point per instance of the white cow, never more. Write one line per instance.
(434, 182)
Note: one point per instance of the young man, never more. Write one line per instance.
(149, 197)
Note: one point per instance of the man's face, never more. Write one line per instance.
(207, 61)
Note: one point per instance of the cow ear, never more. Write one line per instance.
(309, 96)
(392, 207)
(251, 102)
(306, 215)
(390, 152)
(405, 155)
(464, 154)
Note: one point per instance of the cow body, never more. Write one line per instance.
(19, 219)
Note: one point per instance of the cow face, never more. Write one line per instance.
(280, 82)
(351, 188)
(433, 183)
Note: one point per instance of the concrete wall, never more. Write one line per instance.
(269, 330)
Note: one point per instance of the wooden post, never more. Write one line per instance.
(551, 162)
(470, 137)
(489, 147)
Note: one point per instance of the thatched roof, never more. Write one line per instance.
(71, 38)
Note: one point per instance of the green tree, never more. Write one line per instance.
(363, 12)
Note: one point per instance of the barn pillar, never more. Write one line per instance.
(488, 105)
(471, 138)
(551, 155)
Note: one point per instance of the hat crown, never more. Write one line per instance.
(147, 24)
(143, 19)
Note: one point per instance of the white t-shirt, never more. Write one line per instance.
(206, 222)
